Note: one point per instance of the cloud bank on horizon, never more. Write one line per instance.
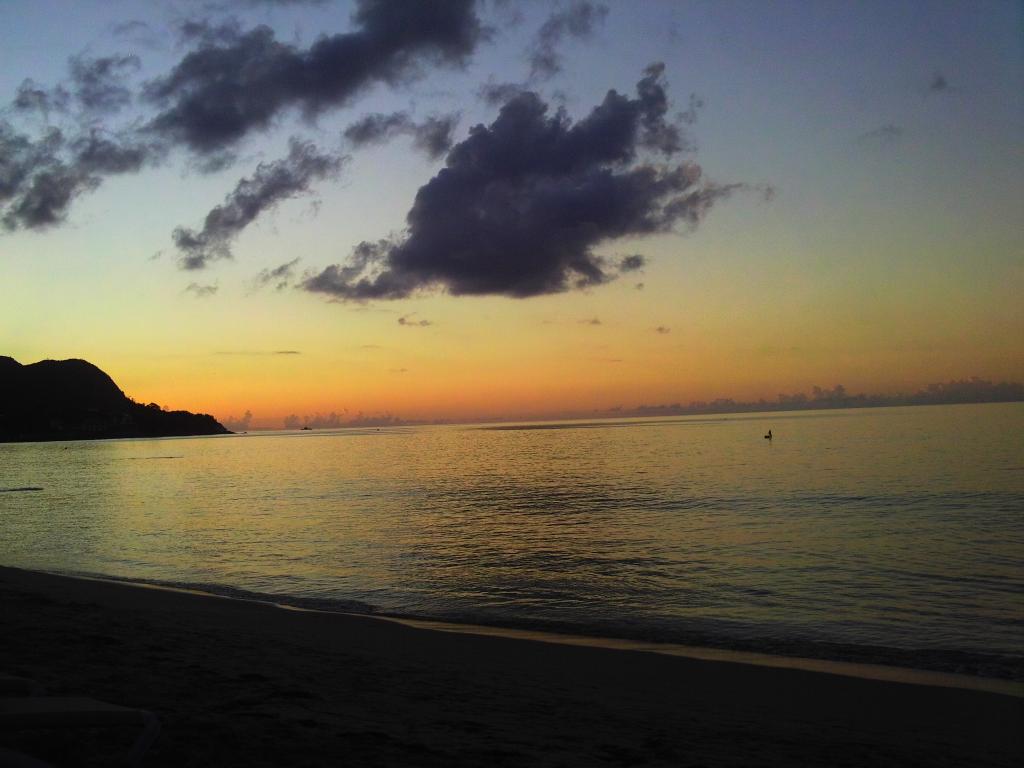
(518, 210)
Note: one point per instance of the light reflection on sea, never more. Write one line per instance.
(877, 534)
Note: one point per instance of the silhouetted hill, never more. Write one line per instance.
(75, 400)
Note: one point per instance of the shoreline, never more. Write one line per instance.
(848, 667)
(855, 669)
(236, 682)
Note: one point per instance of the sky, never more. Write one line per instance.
(472, 210)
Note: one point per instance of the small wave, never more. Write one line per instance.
(334, 605)
(749, 639)
(18, 490)
(723, 635)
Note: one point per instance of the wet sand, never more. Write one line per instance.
(239, 683)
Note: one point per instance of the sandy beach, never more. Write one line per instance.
(239, 683)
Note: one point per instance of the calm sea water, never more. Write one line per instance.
(891, 535)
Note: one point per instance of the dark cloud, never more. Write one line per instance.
(282, 2)
(881, 136)
(44, 201)
(280, 276)
(689, 115)
(131, 27)
(137, 31)
(407, 320)
(234, 83)
(41, 174)
(97, 153)
(230, 83)
(662, 329)
(496, 94)
(32, 97)
(433, 136)
(378, 128)
(201, 291)
(21, 156)
(97, 86)
(208, 33)
(522, 203)
(939, 84)
(578, 20)
(41, 177)
(269, 185)
(215, 162)
(100, 85)
(632, 263)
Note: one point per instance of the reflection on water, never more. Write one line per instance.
(899, 528)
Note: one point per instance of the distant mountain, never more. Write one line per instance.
(75, 400)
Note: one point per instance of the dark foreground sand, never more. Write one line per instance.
(239, 683)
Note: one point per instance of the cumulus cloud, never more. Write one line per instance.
(335, 420)
(236, 424)
(271, 184)
(578, 20)
(201, 291)
(521, 204)
(280, 276)
(433, 136)
(234, 83)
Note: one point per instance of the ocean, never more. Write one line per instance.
(888, 535)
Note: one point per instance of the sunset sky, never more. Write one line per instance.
(856, 217)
